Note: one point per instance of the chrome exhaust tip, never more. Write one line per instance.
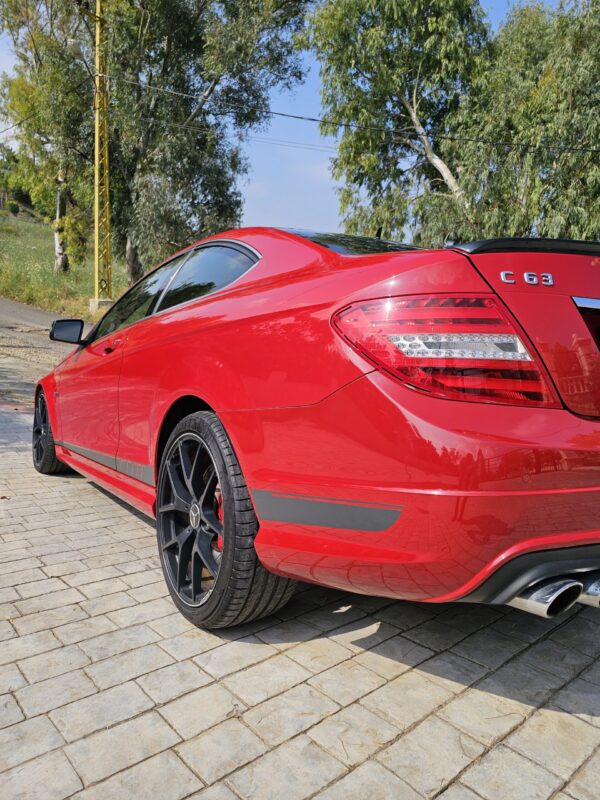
(590, 595)
(549, 598)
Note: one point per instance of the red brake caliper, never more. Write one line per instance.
(220, 515)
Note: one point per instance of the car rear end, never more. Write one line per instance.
(477, 419)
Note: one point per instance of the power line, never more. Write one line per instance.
(373, 128)
(319, 148)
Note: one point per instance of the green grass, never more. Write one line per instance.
(27, 274)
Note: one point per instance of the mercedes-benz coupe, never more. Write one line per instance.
(417, 424)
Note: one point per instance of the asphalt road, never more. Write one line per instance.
(26, 352)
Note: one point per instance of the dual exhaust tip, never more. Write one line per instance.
(553, 597)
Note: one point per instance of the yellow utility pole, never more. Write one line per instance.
(102, 263)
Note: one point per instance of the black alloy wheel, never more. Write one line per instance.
(206, 526)
(190, 514)
(42, 440)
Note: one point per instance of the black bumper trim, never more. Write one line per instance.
(515, 575)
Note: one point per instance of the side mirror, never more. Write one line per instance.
(67, 330)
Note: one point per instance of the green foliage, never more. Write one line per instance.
(26, 274)
(175, 159)
(537, 82)
(383, 64)
(12, 207)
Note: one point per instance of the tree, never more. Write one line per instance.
(188, 79)
(466, 135)
(533, 110)
(396, 70)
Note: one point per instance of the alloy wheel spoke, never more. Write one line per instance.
(185, 554)
(182, 499)
(203, 548)
(207, 504)
(188, 466)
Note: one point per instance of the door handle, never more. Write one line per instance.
(111, 346)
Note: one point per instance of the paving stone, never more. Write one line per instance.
(407, 699)
(111, 602)
(56, 662)
(371, 781)
(484, 716)
(25, 646)
(49, 777)
(92, 576)
(102, 588)
(405, 615)
(233, 656)
(319, 654)
(489, 648)
(10, 678)
(199, 710)
(101, 710)
(151, 591)
(353, 734)
(218, 791)
(363, 634)
(444, 750)
(47, 601)
(258, 683)
(172, 681)
(333, 615)
(9, 711)
(163, 776)
(347, 682)
(580, 698)
(142, 612)
(6, 631)
(435, 635)
(289, 713)
(26, 740)
(452, 671)
(85, 629)
(119, 641)
(394, 657)
(295, 770)
(523, 682)
(106, 752)
(216, 753)
(126, 666)
(556, 741)
(190, 643)
(580, 634)
(585, 783)
(171, 626)
(285, 634)
(44, 587)
(504, 775)
(48, 619)
(565, 662)
(460, 792)
(54, 692)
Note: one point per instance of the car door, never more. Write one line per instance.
(155, 346)
(88, 381)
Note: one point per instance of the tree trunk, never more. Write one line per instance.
(61, 260)
(438, 163)
(132, 260)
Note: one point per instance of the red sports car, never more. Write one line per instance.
(361, 414)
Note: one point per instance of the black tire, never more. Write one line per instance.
(234, 588)
(42, 441)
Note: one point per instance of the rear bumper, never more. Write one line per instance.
(383, 491)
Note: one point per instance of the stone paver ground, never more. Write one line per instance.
(107, 692)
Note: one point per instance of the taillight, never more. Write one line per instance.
(460, 347)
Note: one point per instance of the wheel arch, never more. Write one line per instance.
(182, 407)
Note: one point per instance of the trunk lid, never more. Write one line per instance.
(552, 288)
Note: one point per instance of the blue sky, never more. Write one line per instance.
(291, 185)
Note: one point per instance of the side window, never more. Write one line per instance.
(139, 301)
(208, 269)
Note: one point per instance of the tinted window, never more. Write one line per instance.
(349, 245)
(139, 301)
(207, 270)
